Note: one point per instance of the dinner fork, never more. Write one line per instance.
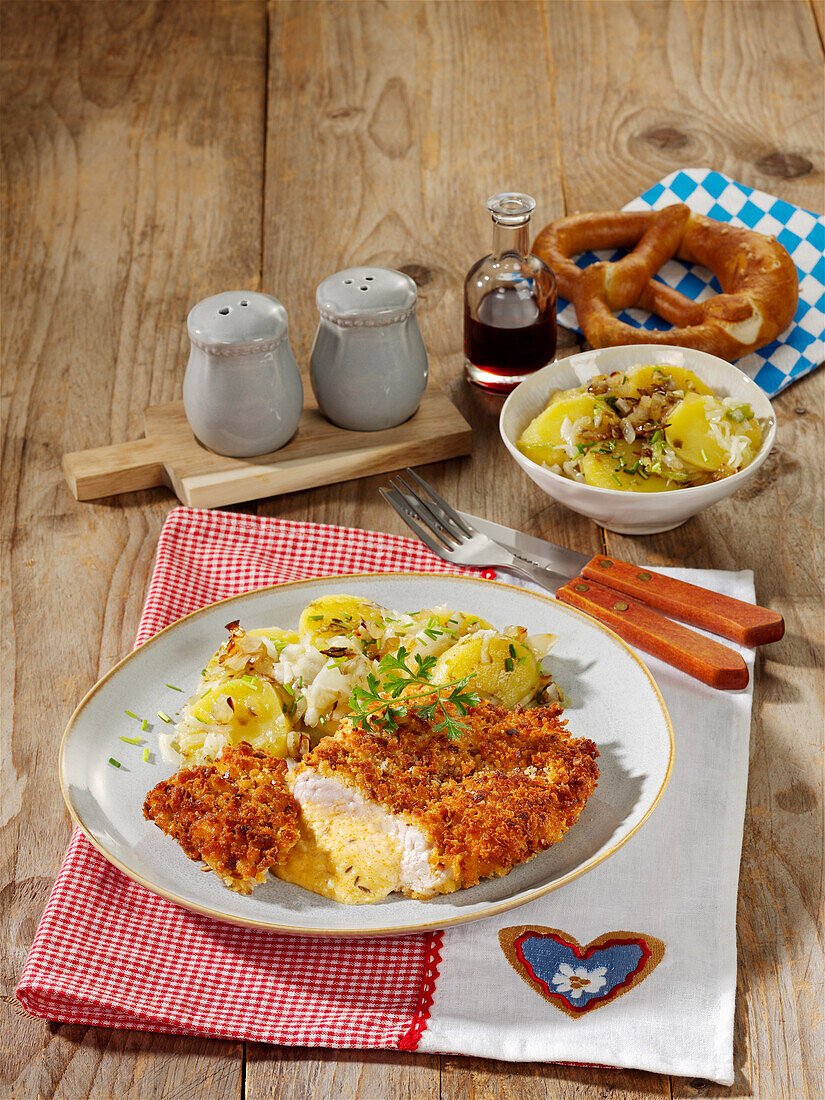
(453, 538)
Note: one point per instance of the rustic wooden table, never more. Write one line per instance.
(155, 153)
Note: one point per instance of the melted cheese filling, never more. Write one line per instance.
(354, 851)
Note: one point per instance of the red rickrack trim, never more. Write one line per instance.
(412, 1038)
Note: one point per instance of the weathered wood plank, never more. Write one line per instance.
(401, 116)
(292, 1073)
(131, 1065)
(727, 86)
(132, 154)
(818, 10)
(724, 85)
(488, 1080)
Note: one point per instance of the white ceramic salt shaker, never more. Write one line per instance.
(368, 366)
(242, 391)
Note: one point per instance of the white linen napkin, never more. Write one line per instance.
(675, 880)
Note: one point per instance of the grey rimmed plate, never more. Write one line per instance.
(611, 698)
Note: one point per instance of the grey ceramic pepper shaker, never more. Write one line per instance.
(368, 365)
(242, 391)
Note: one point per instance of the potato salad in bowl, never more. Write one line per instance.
(283, 690)
(650, 429)
(639, 438)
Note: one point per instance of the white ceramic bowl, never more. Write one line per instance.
(632, 513)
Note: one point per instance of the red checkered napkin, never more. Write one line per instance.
(110, 953)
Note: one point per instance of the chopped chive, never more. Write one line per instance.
(203, 672)
(513, 653)
(616, 479)
(131, 714)
(144, 725)
(115, 763)
(508, 663)
(132, 740)
(247, 679)
(704, 455)
(164, 717)
(172, 686)
(658, 435)
(146, 754)
(315, 618)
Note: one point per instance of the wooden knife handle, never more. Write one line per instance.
(698, 656)
(746, 623)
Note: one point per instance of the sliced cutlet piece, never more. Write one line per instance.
(417, 812)
(236, 814)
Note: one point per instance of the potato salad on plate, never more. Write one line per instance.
(283, 690)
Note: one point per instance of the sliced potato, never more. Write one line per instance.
(606, 470)
(690, 435)
(329, 616)
(430, 632)
(541, 440)
(275, 634)
(250, 710)
(502, 669)
(644, 378)
(458, 624)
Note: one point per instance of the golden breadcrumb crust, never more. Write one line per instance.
(506, 789)
(236, 814)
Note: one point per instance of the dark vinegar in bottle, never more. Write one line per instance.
(509, 302)
(509, 337)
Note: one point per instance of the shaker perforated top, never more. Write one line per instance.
(237, 318)
(366, 296)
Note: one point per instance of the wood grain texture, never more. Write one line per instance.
(709, 84)
(155, 153)
(132, 155)
(480, 1079)
(290, 1073)
(693, 85)
(404, 125)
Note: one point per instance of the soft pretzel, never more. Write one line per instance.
(758, 279)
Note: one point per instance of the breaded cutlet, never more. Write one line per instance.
(235, 814)
(417, 812)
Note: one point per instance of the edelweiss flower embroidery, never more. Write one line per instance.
(578, 981)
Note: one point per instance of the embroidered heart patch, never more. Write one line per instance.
(578, 979)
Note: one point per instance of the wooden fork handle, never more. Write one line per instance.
(704, 659)
(745, 623)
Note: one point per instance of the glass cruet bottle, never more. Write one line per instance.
(509, 302)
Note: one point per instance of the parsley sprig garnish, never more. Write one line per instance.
(388, 696)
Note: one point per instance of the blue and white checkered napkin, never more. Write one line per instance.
(800, 348)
